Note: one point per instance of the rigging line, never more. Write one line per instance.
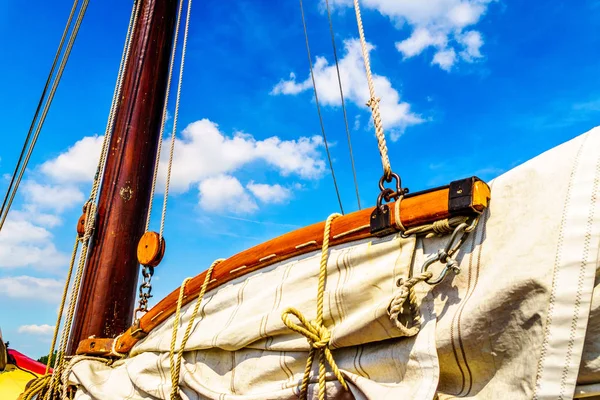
(312, 75)
(373, 102)
(337, 67)
(115, 100)
(40, 124)
(116, 94)
(40, 103)
(91, 215)
(175, 117)
(164, 115)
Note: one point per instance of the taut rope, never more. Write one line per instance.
(373, 102)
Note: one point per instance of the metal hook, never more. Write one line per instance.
(444, 255)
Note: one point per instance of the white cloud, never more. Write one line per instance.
(419, 41)
(29, 287)
(54, 197)
(205, 152)
(269, 194)
(225, 193)
(23, 243)
(78, 163)
(36, 329)
(472, 41)
(445, 59)
(394, 113)
(435, 23)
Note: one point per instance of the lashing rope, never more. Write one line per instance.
(316, 333)
(175, 364)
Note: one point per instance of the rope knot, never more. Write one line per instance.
(318, 337)
(316, 334)
(373, 102)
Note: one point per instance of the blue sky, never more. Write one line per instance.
(468, 87)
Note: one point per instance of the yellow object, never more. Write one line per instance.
(13, 382)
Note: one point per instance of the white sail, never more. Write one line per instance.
(521, 321)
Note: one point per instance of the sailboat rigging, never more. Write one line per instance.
(425, 295)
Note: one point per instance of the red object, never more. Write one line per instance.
(24, 362)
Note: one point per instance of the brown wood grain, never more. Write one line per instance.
(108, 290)
(414, 211)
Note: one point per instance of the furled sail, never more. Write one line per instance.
(520, 321)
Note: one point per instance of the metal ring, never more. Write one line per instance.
(389, 179)
(385, 194)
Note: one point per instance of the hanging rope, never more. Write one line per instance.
(315, 332)
(175, 364)
(373, 102)
(146, 286)
(175, 118)
(312, 76)
(164, 116)
(337, 68)
(7, 204)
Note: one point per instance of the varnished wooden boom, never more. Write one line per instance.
(418, 209)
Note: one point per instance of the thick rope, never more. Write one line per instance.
(42, 119)
(175, 365)
(337, 68)
(397, 305)
(316, 333)
(373, 102)
(312, 76)
(437, 228)
(36, 387)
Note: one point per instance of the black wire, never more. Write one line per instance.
(319, 108)
(39, 106)
(40, 124)
(337, 67)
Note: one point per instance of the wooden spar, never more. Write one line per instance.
(416, 209)
(108, 291)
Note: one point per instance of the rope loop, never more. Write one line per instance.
(318, 335)
(397, 304)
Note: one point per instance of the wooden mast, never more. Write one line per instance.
(108, 290)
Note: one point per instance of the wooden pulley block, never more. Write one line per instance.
(81, 222)
(151, 249)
